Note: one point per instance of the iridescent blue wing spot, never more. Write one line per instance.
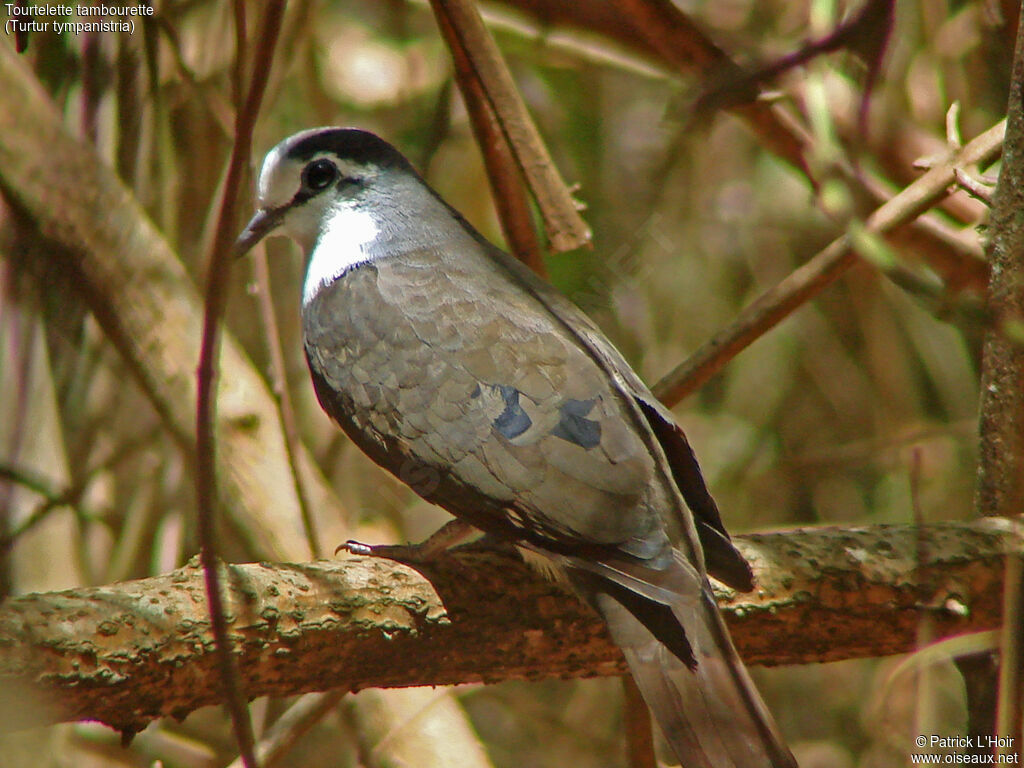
(574, 425)
(513, 421)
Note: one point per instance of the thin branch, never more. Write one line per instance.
(896, 147)
(980, 672)
(659, 29)
(1011, 665)
(974, 187)
(21, 338)
(129, 652)
(866, 33)
(35, 482)
(958, 260)
(221, 111)
(282, 397)
(807, 281)
(216, 299)
(563, 224)
(293, 725)
(52, 499)
(91, 93)
(639, 736)
(55, 496)
(506, 181)
(673, 37)
(601, 51)
(239, 65)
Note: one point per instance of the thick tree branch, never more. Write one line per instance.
(1001, 418)
(1001, 423)
(127, 653)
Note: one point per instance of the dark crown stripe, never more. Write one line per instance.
(347, 143)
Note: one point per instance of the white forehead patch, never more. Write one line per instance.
(345, 242)
(279, 178)
(278, 173)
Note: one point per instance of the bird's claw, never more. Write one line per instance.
(355, 548)
(402, 553)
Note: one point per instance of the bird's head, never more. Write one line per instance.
(346, 197)
(318, 175)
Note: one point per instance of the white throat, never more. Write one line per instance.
(344, 243)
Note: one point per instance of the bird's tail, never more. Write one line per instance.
(693, 680)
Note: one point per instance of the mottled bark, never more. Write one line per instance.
(1001, 415)
(127, 653)
(1001, 418)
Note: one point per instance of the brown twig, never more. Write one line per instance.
(563, 224)
(866, 32)
(958, 260)
(807, 281)
(639, 737)
(55, 496)
(220, 109)
(22, 335)
(30, 479)
(672, 36)
(21, 35)
(238, 66)
(91, 93)
(294, 724)
(52, 499)
(974, 187)
(980, 673)
(925, 624)
(1011, 663)
(282, 398)
(216, 298)
(506, 181)
(659, 29)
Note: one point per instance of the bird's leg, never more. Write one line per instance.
(448, 535)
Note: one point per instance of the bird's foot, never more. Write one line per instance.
(403, 553)
(448, 535)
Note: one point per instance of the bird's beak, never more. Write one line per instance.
(259, 226)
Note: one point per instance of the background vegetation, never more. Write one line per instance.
(860, 408)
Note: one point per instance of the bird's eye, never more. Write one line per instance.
(319, 174)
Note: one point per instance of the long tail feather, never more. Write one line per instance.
(705, 703)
